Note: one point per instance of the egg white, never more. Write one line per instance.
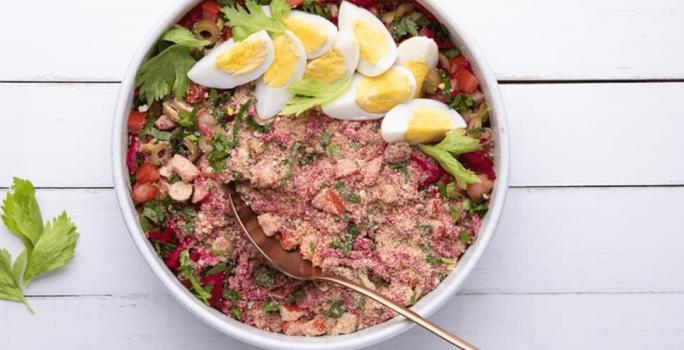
(346, 108)
(270, 101)
(206, 73)
(348, 15)
(395, 124)
(322, 24)
(348, 47)
(418, 48)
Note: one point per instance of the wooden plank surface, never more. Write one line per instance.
(85, 40)
(529, 321)
(561, 134)
(549, 241)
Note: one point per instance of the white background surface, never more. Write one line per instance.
(590, 250)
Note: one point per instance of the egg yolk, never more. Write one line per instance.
(428, 124)
(380, 94)
(328, 68)
(312, 38)
(372, 41)
(420, 71)
(243, 57)
(284, 63)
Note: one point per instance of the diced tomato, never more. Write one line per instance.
(336, 200)
(210, 10)
(295, 3)
(458, 62)
(143, 193)
(467, 82)
(147, 173)
(191, 17)
(432, 171)
(136, 121)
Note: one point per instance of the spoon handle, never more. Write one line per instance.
(403, 311)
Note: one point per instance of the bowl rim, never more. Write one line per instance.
(366, 337)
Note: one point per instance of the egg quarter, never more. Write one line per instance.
(420, 121)
(288, 66)
(419, 54)
(378, 50)
(231, 63)
(370, 98)
(340, 61)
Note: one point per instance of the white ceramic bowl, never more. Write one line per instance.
(426, 306)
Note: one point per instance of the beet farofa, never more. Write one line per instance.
(386, 215)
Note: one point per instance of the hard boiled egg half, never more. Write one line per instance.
(316, 33)
(340, 61)
(235, 63)
(420, 121)
(378, 49)
(371, 97)
(418, 54)
(288, 66)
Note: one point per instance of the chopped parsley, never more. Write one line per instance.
(346, 241)
(189, 215)
(405, 26)
(270, 308)
(153, 215)
(448, 89)
(256, 126)
(464, 237)
(336, 308)
(452, 52)
(296, 296)
(475, 208)
(434, 259)
(316, 8)
(264, 276)
(232, 295)
(220, 152)
(347, 195)
(236, 312)
(462, 102)
(401, 167)
(187, 271)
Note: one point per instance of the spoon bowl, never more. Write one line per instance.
(294, 265)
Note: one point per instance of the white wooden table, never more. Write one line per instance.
(590, 250)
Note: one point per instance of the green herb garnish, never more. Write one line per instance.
(187, 271)
(270, 308)
(336, 308)
(251, 18)
(310, 93)
(167, 71)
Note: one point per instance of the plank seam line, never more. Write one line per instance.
(587, 81)
(495, 293)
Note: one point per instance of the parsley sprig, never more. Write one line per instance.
(251, 18)
(168, 70)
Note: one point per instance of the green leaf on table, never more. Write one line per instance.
(54, 249)
(10, 288)
(21, 213)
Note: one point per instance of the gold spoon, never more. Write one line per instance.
(294, 265)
